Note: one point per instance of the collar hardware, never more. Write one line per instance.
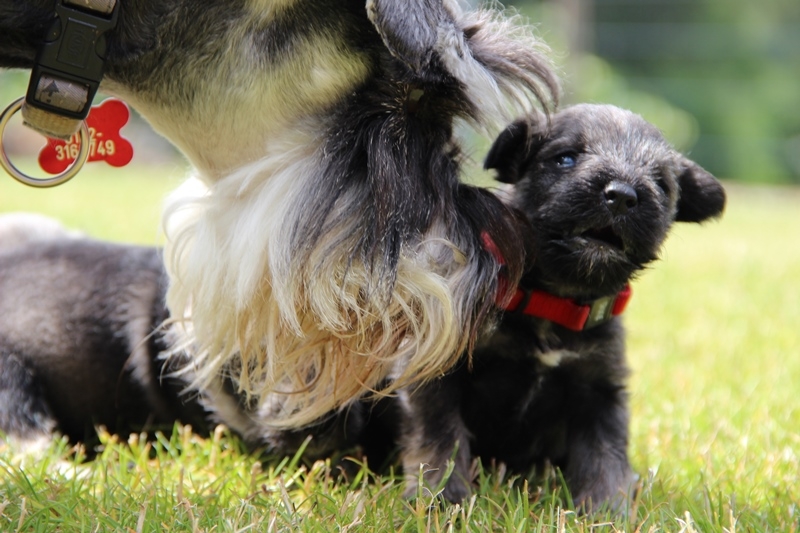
(69, 66)
(562, 311)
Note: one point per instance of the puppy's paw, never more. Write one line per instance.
(609, 493)
(450, 483)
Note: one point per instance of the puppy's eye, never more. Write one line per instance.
(662, 183)
(566, 160)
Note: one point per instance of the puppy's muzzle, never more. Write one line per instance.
(620, 198)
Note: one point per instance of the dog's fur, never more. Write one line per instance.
(535, 391)
(327, 240)
(78, 339)
(84, 339)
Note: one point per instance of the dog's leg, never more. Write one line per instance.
(431, 425)
(24, 413)
(597, 470)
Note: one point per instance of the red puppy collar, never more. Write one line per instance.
(566, 312)
(562, 311)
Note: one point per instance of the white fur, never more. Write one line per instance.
(553, 358)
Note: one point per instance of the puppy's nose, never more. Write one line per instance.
(620, 197)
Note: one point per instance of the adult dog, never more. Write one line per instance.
(601, 189)
(327, 241)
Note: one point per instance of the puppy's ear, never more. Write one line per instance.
(511, 150)
(701, 195)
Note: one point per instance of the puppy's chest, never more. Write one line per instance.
(535, 342)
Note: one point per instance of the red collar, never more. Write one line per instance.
(562, 311)
(565, 311)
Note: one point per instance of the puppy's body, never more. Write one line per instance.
(601, 189)
(79, 344)
(328, 240)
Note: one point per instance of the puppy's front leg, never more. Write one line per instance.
(434, 433)
(597, 470)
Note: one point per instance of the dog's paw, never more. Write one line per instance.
(609, 494)
(449, 484)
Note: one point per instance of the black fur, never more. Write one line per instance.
(514, 402)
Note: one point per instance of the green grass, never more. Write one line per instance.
(714, 346)
(121, 204)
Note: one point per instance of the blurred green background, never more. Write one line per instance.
(720, 77)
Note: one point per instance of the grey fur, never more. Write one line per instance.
(79, 338)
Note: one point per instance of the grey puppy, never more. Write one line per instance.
(79, 337)
(601, 189)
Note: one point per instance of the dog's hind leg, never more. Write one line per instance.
(503, 70)
(410, 30)
(24, 413)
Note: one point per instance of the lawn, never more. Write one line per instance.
(714, 347)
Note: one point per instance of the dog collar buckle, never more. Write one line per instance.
(69, 66)
(600, 311)
(604, 309)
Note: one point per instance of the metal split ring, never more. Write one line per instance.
(20, 176)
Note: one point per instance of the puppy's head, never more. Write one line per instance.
(601, 188)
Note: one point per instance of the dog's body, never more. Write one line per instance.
(329, 241)
(601, 189)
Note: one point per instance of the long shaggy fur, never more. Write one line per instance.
(353, 253)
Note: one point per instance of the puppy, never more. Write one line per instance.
(80, 338)
(601, 189)
(326, 240)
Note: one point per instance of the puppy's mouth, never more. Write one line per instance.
(604, 236)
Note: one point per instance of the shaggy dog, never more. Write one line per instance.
(601, 189)
(326, 240)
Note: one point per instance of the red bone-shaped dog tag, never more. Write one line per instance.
(105, 122)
